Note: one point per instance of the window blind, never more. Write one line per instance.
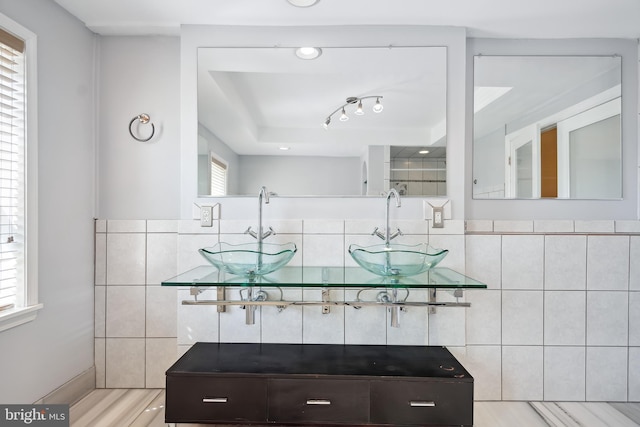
(12, 168)
(218, 177)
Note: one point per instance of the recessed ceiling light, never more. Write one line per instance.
(284, 148)
(308, 52)
(303, 3)
(423, 152)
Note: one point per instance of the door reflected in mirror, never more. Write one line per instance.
(547, 127)
(261, 113)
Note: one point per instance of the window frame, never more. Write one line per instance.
(19, 315)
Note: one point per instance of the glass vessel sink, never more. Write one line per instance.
(397, 260)
(249, 259)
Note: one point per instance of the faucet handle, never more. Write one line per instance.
(268, 233)
(251, 233)
(377, 232)
(396, 234)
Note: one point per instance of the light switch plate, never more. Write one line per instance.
(438, 217)
(206, 216)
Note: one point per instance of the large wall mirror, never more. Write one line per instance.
(547, 127)
(268, 117)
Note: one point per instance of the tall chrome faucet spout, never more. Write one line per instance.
(388, 236)
(263, 194)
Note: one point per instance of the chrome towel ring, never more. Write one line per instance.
(144, 119)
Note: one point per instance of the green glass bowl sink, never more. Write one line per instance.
(249, 259)
(397, 260)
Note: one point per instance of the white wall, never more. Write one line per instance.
(39, 356)
(139, 180)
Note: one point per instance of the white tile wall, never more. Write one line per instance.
(522, 372)
(565, 262)
(564, 373)
(564, 319)
(607, 318)
(608, 263)
(522, 317)
(522, 261)
(559, 319)
(607, 373)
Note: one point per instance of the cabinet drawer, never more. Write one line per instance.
(201, 399)
(318, 401)
(422, 403)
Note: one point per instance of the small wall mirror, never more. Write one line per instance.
(547, 127)
(268, 117)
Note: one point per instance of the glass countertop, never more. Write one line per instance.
(343, 277)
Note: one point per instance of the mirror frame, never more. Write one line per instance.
(454, 39)
(562, 209)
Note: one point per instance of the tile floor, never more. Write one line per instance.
(145, 408)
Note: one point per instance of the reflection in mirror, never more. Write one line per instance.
(261, 113)
(547, 127)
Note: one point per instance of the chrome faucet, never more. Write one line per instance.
(260, 235)
(387, 236)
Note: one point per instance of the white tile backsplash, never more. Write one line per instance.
(553, 226)
(125, 363)
(162, 257)
(323, 250)
(507, 226)
(564, 373)
(366, 325)
(125, 313)
(634, 267)
(594, 226)
(607, 318)
(634, 374)
(634, 319)
(162, 311)
(607, 374)
(323, 226)
(484, 322)
(126, 226)
(484, 363)
(565, 262)
(522, 261)
(484, 259)
(522, 372)
(559, 314)
(522, 317)
(100, 261)
(197, 322)
(160, 354)
(99, 311)
(607, 263)
(564, 318)
(126, 259)
(327, 328)
(282, 325)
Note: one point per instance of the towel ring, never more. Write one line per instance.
(144, 119)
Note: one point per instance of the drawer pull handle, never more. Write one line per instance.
(214, 400)
(318, 402)
(422, 404)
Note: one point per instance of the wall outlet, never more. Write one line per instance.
(206, 216)
(438, 217)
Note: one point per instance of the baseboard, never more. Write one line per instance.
(73, 390)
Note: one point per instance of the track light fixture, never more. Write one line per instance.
(352, 100)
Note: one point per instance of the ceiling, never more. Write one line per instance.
(486, 18)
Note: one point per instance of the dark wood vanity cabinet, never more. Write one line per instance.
(319, 384)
